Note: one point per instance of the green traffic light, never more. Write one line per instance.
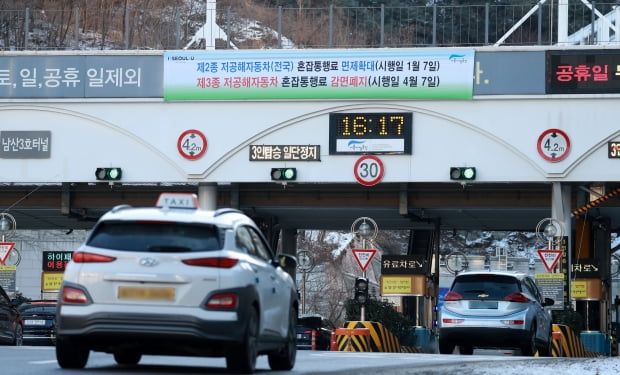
(108, 174)
(283, 174)
(462, 173)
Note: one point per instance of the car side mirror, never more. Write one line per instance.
(548, 302)
(288, 262)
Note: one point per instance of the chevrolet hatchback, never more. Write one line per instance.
(495, 310)
(177, 280)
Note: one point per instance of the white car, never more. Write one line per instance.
(174, 279)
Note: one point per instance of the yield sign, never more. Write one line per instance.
(5, 250)
(363, 257)
(550, 258)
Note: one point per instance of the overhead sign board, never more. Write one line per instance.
(583, 71)
(363, 257)
(527, 73)
(425, 73)
(550, 258)
(77, 76)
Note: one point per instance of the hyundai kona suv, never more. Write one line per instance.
(488, 309)
(177, 280)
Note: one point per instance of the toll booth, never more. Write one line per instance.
(591, 282)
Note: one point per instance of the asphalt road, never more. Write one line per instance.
(40, 360)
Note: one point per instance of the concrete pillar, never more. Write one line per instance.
(289, 241)
(561, 211)
(207, 196)
(288, 238)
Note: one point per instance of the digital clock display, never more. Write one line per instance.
(370, 133)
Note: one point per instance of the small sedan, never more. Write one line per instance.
(486, 309)
(39, 322)
(317, 326)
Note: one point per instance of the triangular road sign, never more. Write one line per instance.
(550, 258)
(5, 250)
(363, 257)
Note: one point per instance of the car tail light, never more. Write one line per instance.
(222, 301)
(84, 257)
(514, 322)
(212, 262)
(452, 321)
(74, 295)
(516, 297)
(452, 296)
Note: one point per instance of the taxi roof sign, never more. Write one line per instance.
(177, 200)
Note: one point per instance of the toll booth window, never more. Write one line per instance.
(155, 236)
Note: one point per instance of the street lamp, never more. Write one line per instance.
(550, 231)
(7, 225)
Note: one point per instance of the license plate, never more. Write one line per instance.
(483, 305)
(162, 294)
(34, 322)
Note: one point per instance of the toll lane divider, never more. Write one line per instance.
(567, 344)
(367, 336)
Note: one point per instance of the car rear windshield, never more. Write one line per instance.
(155, 236)
(51, 309)
(494, 287)
(311, 322)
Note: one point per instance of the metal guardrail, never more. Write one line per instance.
(255, 27)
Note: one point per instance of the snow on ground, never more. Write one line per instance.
(544, 366)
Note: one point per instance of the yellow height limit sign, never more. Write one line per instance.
(5, 250)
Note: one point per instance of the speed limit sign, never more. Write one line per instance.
(369, 170)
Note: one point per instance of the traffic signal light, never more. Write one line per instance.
(462, 173)
(361, 290)
(108, 174)
(283, 174)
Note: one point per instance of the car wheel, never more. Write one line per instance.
(70, 353)
(546, 349)
(242, 359)
(445, 346)
(284, 359)
(18, 340)
(529, 347)
(466, 350)
(127, 357)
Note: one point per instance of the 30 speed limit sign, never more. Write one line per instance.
(369, 170)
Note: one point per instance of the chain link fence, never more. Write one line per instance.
(247, 26)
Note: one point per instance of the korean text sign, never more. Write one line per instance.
(318, 74)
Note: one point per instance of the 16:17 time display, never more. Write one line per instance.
(370, 133)
(372, 125)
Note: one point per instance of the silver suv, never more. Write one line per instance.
(177, 280)
(489, 309)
